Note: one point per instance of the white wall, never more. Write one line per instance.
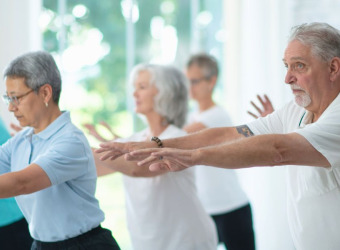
(257, 34)
(20, 33)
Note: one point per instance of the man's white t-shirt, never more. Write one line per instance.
(218, 188)
(164, 212)
(313, 192)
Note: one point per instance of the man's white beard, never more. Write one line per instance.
(303, 99)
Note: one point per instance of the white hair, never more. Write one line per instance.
(323, 39)
(171, 101)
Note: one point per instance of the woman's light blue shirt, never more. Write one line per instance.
(9, 210)
(68, 208)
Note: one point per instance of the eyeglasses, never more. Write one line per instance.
(196, 81)
(15, 100)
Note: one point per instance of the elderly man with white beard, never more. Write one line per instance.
(305, 135)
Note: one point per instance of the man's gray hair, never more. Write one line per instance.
(323, 39)
(171, 101)
(206, 62)
(37, 68)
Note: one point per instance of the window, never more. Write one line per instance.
(97, 43)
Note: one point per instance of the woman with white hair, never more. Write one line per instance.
(163, 210)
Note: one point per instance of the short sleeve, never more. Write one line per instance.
(281, 121)
(271, 124)
(324, 135)
(66, 158)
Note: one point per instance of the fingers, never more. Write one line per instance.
(103, 148)
(252, 114)
(130, 157)
(111, 155)
(93, 131)
(107, 126)
(144, 152)
(111, 150)
(148, 156)
(108, 145)
(159, 166)
(269, 104)
(260, 100)
(256, 107)
(266, 106)
(88, 126)
(148, 161)
(140, 155)
(100, 150)
(16, 128)
(267, 99)
(162, 159)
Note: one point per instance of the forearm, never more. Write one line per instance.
(204, 138)
(102, 170)
(248, 152)
(26, 181)
(122, 166)
(9, 186)
(262, 150)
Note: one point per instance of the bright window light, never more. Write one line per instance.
(156, 27)
(130, 10)
(204, 18)
(79, 11)
(167, 7)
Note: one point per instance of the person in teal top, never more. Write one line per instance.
(14, 232)
(4, 134)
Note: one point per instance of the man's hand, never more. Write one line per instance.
(267, 107)
(160, 159)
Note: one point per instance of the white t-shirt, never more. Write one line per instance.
(164, 212)
(313, 192)
(218, 188)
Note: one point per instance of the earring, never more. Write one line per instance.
(46, 104)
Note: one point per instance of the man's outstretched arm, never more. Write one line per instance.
(261, 150)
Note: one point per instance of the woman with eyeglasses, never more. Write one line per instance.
(163, 210)
(48, 166)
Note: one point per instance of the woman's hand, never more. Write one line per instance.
(16, 128)
(160, 159)
(267, 107)
(93, 131)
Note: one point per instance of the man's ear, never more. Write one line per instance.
(335, 69)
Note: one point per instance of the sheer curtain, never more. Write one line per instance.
(257, 36)
(19, 24)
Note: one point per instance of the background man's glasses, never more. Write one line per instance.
(197, 81)
(15, 100)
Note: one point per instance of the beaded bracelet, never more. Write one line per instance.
(158, 141)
